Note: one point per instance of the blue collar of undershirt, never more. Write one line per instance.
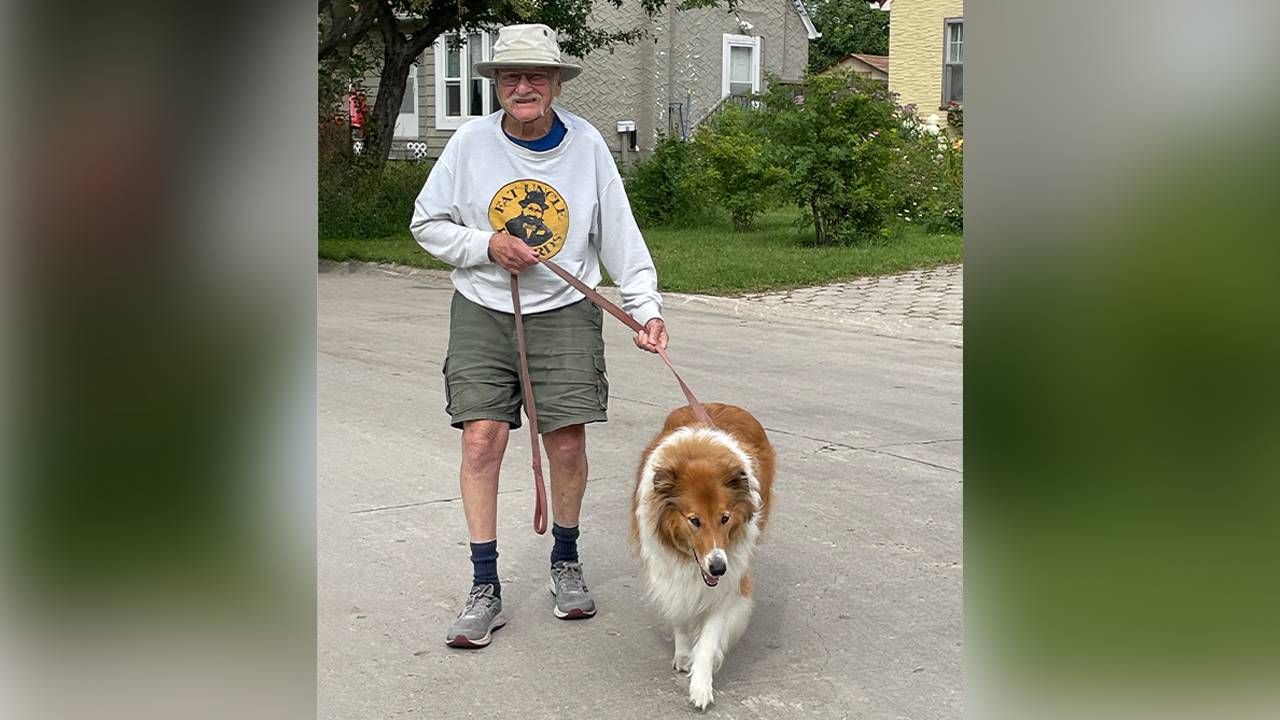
(546, 142)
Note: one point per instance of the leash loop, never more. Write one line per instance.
(539, 486)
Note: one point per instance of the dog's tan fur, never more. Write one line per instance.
(697, 478)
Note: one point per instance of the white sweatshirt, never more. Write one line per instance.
(567, 203)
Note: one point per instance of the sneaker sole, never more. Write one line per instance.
(466, 643)
(574, 614)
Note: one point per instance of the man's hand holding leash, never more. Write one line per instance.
(512, 253)
(653, 337)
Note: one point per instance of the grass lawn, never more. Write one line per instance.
(715, 260)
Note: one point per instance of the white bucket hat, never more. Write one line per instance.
(527, 46)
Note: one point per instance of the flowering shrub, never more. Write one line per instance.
(944, 211)
(927, 176)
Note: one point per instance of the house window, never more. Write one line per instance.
(740, 65)
(461, 93)
(407, 119)
(953, 62)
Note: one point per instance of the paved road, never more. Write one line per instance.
(858, 610)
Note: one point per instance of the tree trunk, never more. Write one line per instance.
(819, 229)
(399, 50)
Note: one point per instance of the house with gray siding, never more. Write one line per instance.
(664, 84)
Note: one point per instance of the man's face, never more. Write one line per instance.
(526, 93)
(533, 211)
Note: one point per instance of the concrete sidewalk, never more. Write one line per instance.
(858, 583)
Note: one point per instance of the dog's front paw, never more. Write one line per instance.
(680, 663)
(700, 692)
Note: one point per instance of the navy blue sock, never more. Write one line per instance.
(484, 564)
(566, 547)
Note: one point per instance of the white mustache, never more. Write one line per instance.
(510, 103)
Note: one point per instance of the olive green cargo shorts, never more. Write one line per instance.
(565, 349)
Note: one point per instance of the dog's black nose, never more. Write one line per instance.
(716, 566)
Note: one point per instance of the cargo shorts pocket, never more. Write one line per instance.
(448, 394)
(602, 380)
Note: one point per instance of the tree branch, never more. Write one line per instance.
(415, 42)
(424, 37)
(386, 19)
(344, 28)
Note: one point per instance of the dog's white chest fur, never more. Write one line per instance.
(674, 582)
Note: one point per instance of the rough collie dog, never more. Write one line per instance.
(702, 498)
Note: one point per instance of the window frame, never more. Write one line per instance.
(947, 24)
(467, 69)
(730, 41)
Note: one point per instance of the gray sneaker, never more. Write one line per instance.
(479, 617)
(573, 601)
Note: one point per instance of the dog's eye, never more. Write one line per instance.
(696, 522)
(724, 519)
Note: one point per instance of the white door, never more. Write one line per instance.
(407, 120)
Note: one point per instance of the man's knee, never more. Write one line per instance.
(483, 441)
(567, 444)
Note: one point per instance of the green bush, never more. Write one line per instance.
(945, 211)
(731, 150)
(835, 135)
(666, 187)
(355, 202)
(927, 176)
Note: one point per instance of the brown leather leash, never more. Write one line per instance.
(539, 486)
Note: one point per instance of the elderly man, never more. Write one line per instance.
(547, 175)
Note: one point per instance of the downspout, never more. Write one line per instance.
(782, 69)
(671, 48)
(645, 109)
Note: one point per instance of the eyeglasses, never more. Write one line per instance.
(511, 78)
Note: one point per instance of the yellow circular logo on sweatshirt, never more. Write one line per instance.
(532, 211)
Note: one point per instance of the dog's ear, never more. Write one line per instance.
(738, 481)
(664, 480)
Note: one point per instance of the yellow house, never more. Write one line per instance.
(926, 54)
